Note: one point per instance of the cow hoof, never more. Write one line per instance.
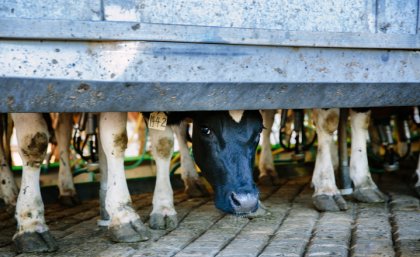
(135, 231)
(369, 195)
(196, 188)
(329, 203)
(33, 242)
(69, 200)
(269, 180)
(162, 222)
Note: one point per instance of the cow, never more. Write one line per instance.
(67, 193)
(224, 145)
(268, 174)
(62, 130)
(327, 197)
(194, 187)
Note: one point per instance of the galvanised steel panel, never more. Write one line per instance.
(52, 9)
(135, 31)
(300, 15)
(397, 17)
(135, 75)
(44, 95)
(204, 63)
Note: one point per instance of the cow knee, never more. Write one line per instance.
(33, 137)
(162, 143)
(330, 124)
(112, 128)
(120, 143)
(33, 148)
(164, 147)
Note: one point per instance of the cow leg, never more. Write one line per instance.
(268, 174)
(194, 187)
(326, 197)
(365, 190)
(417, 185)
(68, 196)
(33, 234)
(163, 215)
(104, 220)
(7, 138)
(8, 189)
(125, 224)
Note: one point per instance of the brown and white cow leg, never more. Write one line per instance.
(194, 187)
(365, 190)
(125, 224)
(327, 196)
(32, 234)
(268, 174)
(163, 215)
(68, 196)
(8, 189)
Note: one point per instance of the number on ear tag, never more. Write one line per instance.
(157, 120)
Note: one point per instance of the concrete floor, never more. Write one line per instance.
(293, 228)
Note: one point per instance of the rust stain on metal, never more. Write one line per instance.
(83, 88)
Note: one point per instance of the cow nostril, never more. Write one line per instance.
(235, 201)
(243, 203)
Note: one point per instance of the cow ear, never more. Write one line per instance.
(236, 115)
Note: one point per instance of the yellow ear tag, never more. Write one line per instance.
(157, 120)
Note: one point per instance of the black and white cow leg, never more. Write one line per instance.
(268, 175)
(365, 189)
(8, 189)
(417, 175)
(194, 187)
(33, 234)
(327, 196)
(125, 224)
(163, 215)
(68, 196)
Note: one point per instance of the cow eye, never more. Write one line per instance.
(205, 130)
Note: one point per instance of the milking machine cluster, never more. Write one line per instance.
(85, 139)
(385, 132)
(391, 138)
(300, 142)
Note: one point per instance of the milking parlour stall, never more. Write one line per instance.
(210, 128)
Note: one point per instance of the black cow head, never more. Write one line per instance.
(224, 145)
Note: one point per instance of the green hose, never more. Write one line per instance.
(138, 160)
(141, 159)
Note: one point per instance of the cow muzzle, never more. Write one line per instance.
(243, 203)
